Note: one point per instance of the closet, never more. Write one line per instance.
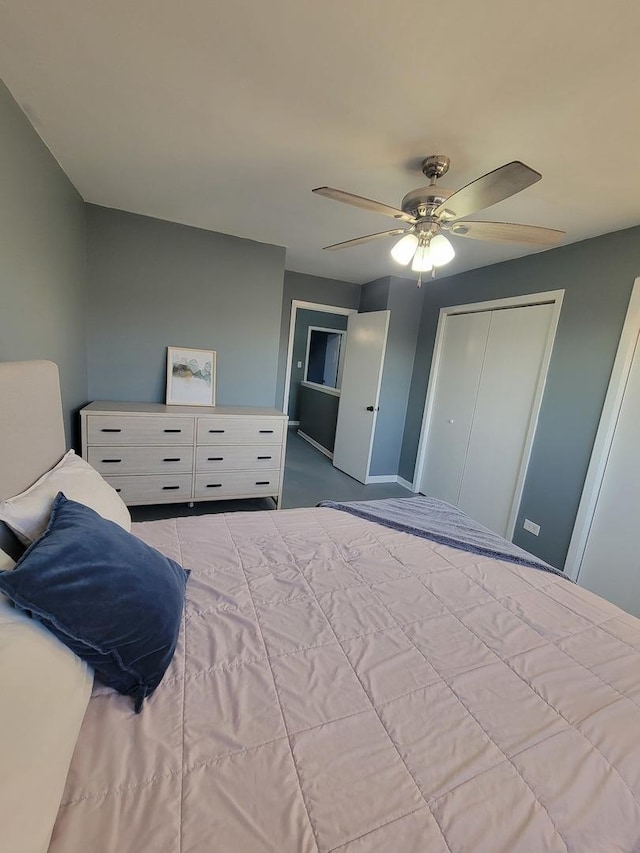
(604, 552)
(487, 385)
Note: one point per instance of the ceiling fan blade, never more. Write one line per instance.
(489, 189)
(364, 203)
(358, 241)
(507, 232)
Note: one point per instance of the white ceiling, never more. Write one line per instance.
(224, 115)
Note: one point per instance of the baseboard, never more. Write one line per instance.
(315, 444)
(406, 484)
(390, 478)
(294, 423)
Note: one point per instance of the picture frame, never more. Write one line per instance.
(191, 377)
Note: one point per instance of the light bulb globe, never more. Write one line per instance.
(441, 250)
(422, 260)
(404, 249)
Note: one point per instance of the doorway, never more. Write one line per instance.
(485, 389)
(315, 358)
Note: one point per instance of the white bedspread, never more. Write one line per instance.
(342, 686)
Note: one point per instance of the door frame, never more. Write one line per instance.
(311, 306)
(554, 297)
(629, 340)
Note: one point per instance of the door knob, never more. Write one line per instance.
(373, 408)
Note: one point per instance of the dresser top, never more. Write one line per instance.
(109, 407)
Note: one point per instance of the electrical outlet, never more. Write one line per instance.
(531, 526)
(299, 365)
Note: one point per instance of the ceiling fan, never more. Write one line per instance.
(433, 212)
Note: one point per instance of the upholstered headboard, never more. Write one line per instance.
(31, 426)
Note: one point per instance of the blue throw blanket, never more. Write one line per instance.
(441, 522)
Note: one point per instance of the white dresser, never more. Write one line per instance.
(151, 453)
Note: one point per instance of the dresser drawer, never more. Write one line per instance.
(238, 457)
(239, 430)
(152, 488)
(140, 460)
(236, 484)
(123, 429)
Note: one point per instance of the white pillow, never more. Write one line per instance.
(6, 562)
(27, 514)
(44, 695)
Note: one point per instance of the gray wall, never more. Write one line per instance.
(319, 416)
(404, 300)
(154, 284)
(374, 295)
(304, 319)
(42, 259)
(597, 276)
(309, 288)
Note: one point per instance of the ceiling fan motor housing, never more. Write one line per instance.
(424, 200)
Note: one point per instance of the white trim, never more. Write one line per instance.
(549, 296)
(604, 436)
(312, 306)
(294, 423)
(315, 444)
(326, 389)
(402, 482)
(343, 334)
(389, 478)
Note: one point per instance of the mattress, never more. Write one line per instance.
(341, 686)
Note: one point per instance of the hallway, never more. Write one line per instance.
(309, 477)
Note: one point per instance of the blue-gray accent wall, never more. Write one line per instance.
(154, 284)
(597, 276)
(42, 259)
(304, 319)
(319, 416)
(309, 288)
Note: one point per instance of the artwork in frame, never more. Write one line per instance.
(191, 377)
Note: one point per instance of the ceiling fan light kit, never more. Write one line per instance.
(428, 211)
(405, 249)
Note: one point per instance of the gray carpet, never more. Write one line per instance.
(309, 477)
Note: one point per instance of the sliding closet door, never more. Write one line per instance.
(611, 562)
(513, 361)
(464, 343)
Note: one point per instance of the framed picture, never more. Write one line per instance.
(191, 377)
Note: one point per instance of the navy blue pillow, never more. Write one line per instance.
(109, 597)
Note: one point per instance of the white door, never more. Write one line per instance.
(485, 401)
(611, 562)
(463, 347)
(360, 392)
(513, 358)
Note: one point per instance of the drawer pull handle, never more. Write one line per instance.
(110, 429)
(118, 490)
(215, 458)
(266, 431)
(216, 430)
(172, 430)
(172, 459)
(214, 485)
(263, 483)
(265, 457)
(169, 488)
(111, 460)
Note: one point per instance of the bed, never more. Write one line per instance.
(340, 685)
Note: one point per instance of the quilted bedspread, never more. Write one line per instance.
(342, 686)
